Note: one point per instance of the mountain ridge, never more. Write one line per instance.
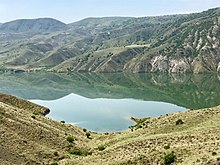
(171, 43)
(32, 25)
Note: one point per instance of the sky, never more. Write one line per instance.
(69, 11)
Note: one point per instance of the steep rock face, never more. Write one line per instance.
(162, 64)
(170, 64)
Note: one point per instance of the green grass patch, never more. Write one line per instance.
(101, 147)
(70, 139)
(169, 158)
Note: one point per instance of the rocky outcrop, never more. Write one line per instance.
(203, 63)
(171, 65)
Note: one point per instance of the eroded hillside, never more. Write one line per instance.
(175, 43)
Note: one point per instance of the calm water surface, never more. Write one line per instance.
(104, 115)
(105, 102)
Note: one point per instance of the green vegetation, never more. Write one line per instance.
(167, 146)
(54, 163)
(35, 113)
(80, 152)
(188, 90)
(169, 158)
(56, 153)
(101, 147)
(88, 135)
(140, 123)
(70, 139)
(214, 153)
(118, 44)
(179, 122)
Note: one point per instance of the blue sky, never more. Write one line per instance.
(73, 10)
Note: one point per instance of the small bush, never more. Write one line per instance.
(76, 152)
(88, 135)
(70, 139)
(62, 122)
(169, 158)
(167, 146)
(56, 153)
(101, 148)
(84, 130)
(179, 122)
(80, 152)
(214, 153)
(35, 113)
(33, 117)
(54, 163)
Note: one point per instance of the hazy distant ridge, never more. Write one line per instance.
(32, 25)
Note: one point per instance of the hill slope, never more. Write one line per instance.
(175, 43)
(25, 139)
(32, 26)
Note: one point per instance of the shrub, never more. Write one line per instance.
(76, 152)
(80, 152)
(179, 122)
(54, 163)
(62, 122)
(214, 153)
(35, 113)
(84, 130)
(101, 148)
(167, 146)
(88, 135)
(169, 158)
(33, 117)
(70, 139)
(56, 153)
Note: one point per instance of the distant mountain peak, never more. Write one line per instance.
(32, 25)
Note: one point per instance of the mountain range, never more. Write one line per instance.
(171, 43)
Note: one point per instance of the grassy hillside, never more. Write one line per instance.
(32, 26)
(27, 137)
(175, 43)
(187, 138)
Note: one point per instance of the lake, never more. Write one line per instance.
(106, 102)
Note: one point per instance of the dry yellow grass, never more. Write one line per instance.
(28, 137)
(27, 140)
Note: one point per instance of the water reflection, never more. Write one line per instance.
(105, 102)
(186, 90)
(104, 115)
